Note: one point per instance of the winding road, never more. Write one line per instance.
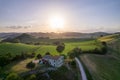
(83, 75)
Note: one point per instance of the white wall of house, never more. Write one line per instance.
(57, 63)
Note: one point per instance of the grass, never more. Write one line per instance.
(18, 67)
(109, 37)
(15, 48)
(84, 45)
(105, 67)
(102, 67)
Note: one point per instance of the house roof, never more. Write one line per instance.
(51, 57)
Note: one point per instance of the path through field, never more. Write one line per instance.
(83, 74)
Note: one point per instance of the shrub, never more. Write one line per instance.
(30, 65)
(13, 76)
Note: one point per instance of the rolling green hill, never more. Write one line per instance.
(15, 48)
(110, 37)
(105, 67)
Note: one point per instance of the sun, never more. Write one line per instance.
(57, 22)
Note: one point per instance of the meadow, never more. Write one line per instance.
(18, 48)
(105, 67)
(100, 66)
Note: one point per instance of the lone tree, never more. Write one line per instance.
(74, 53)
(30, 65)
(60, 48)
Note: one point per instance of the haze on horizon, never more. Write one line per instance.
(59, 15)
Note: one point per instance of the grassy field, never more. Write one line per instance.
(15, 48)
(102, 67)
(84, 45)
(17, 67)
(109, 37)
(105, 67)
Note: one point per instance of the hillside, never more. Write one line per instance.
(109, 37)
(23, 38)
(9, 35)
(105, 67)
(15, 48)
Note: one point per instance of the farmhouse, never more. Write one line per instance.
(55, 61)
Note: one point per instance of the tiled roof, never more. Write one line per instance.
(51, 57)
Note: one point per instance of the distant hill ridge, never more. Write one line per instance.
(25, 37)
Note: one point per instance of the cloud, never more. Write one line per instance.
(18, 27)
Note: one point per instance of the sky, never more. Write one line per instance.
(78, 15)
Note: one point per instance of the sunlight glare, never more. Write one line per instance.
(57, 22)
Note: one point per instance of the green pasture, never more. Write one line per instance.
(16, 48)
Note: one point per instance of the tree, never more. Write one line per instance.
(104, 44)
(0, 70)
(32, 77)
(39, 56)
(16, 41)
(9, 56)
(104, 50)
(32, 55)
(101, 35)
(30, 65)
(4, 60)
(13, 76)
(60, 48)
(65, 56)
(56, 43)
(23, 55)
(74, 53)
(47, 53)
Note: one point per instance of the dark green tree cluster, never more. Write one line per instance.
(39, 56)
(8, 58)
(30, 65)
(74, 53)
(60, 48)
